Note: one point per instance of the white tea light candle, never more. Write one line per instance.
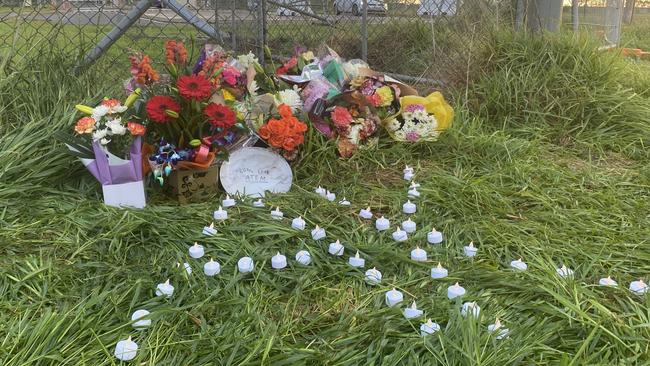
(434, 237)
(407, 169)
(470, 308)
(429, 328)
(298, 223)
(336, 248)
(373, 276)
(211, 268)
(400, 235)
(209, 230)
(382, 224)
(607, 282)
(413, 185)
(138, 319)
(277, 214)
(245, 264)
(228, 202)
(220, 214)
(639, 287)
(320, 191)
(126, 349)
(318, 233)
(357, 261)
(455, 291)
(418, 255)
(196, 251)
(409, 207)
(330, 196)
(412, 311)
(409, 226)
(278, 261)
(393, 297)
(303, 257)
(365, 213)
(164, 289)
(408, 176)
(497, 327)
(344, 202)
(439, 272)
(519, 265)
(259, 203)
(470, 250)
(413, 193)
(564, 272)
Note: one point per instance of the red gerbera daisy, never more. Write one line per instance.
(219, 115)
(194, 87)
(158, 106)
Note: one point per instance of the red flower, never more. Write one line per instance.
(158, 106)
(341, 116)
(136, 129)
(194, 87)
(219, 115)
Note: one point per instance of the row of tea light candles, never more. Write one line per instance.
(126, 349)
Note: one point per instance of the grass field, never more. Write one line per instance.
(547, 161)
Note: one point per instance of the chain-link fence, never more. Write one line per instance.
(430, 40)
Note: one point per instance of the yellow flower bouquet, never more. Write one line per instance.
(420, 118)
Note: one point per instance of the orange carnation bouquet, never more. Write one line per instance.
(284, 134)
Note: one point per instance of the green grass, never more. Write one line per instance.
(73, 270)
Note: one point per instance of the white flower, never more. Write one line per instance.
(291, 98)
(104, 141)
(252, 87)
(420, 115)
(99, 112)
(353, 136)
(100, 134)
(400, 135)
(352, 67)
(393, 125)
(116, 127)
(245, 61)
(117, 109)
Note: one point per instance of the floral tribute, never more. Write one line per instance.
(284, 133)
(420, 118)
(107, 123)
(191, 111)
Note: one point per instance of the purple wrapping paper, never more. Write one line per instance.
(107, 174)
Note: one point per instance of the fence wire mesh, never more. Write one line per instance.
(421, 38)
(424, 39)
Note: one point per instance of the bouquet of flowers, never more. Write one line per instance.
(190, 114)
(420, 118)
(284, 132)
(102, 128)
(295, 64)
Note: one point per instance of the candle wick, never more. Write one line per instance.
(167, 282)
(129, 339)
(368, 208)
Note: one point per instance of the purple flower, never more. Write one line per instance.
(412, 136)
(199, 62)
(414, 107)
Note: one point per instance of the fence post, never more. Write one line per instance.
(262, 30)
(575, 7)
(520, 12)
(613, 17)
(364, 31)
(233, 31)
(544, 15)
